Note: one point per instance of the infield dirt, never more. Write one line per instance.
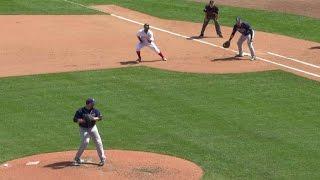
(49, 44)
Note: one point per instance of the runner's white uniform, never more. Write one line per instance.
(146, 37)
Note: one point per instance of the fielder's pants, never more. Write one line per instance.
(249, 42)
(151, 45)
(216, 24)
(85, 134)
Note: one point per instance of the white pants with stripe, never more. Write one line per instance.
(247, 38)
(151, 45)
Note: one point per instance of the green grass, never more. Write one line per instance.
(246, 126)
(273, 22)
(42, 7)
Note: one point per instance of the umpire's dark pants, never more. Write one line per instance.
(216, 24)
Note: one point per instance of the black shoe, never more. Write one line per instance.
(102, 162)
(239, 55)
(77, 162)
(201, 36)
(220, 36)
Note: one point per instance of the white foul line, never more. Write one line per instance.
(292, 59)
(198, 40)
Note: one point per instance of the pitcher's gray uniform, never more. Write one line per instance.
(89, 130)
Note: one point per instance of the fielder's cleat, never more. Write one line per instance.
(139, 60)
(201, 36)
(253, 58)
(164, 59)
(220, 36)
(239, 55)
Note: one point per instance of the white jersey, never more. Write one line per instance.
(145, 37)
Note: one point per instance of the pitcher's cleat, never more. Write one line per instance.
(101, 163)
(77, 162)
(239, 55)
(252, 58)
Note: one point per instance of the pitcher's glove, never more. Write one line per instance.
(88, 118)
(226, 44)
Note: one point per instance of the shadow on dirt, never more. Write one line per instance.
(124, 63)
(228, 59)
(198, 37)
(65, 164)
(315, 47)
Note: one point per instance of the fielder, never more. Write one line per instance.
(146, 38)
(87, 117)
(247, 34)
(211, 13)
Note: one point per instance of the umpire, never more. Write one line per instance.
(211, 13)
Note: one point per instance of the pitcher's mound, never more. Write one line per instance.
(120, 165)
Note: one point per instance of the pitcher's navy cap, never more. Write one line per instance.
(90, 100)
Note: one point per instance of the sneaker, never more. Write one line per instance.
(253, 58)
(239, 55)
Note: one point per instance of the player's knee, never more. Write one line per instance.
(86, 141)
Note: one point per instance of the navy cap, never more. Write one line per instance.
(146, 25)
(90, 100)
(238, 19)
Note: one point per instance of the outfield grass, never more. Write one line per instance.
(273, 22)
(41, 7)
(247, 126)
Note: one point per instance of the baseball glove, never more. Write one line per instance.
(226, 44)
(88, 118)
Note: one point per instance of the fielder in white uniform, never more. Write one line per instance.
(146, 38)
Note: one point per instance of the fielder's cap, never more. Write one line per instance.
(238, 19)
(90, 100)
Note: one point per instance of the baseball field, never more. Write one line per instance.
(233, 118)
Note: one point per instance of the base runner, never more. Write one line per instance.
(146, 38)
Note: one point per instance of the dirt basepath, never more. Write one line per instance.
(309, 8)
(47, 44)
(120, 165)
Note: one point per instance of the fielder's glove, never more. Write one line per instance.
(226, 44)
(88, 118)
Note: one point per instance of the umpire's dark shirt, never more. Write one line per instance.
(82, 111)
(211, 10)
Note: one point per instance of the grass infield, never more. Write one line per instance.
(273, 22)
(247, 126)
